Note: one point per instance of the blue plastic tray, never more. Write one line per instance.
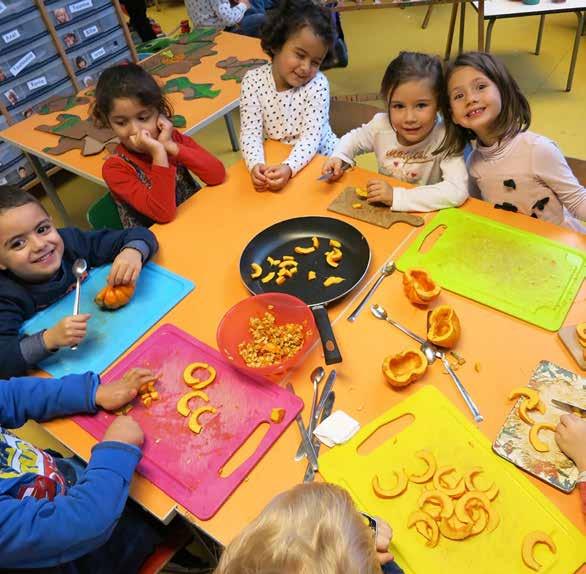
(110, 333)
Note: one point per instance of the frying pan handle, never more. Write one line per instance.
(331, 351)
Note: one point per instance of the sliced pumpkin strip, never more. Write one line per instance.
(194, 424)
(183, 403)
(455, 491)
(427, 475)
(531, 396)
(529, 543)
(417, 518)
(195, 382)
(534, 439)
(398, 488)
(437, 497)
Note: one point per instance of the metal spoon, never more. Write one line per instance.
(316, 376)
(79, 268)
(380, 313)
(431, 353)
(387, 269)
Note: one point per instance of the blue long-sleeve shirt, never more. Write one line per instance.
(20, 300)
(42, 522)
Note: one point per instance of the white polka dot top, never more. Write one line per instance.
(299, 117)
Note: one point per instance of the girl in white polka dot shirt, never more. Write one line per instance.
(289, 99)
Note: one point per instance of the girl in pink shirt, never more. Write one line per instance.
(510, 167)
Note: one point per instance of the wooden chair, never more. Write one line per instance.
(349, 112)
(578, 166)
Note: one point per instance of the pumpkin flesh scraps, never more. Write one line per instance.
(404, 368)
(443, 327)
(419, 287)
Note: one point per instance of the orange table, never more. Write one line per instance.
(204, 244)
(198, 114)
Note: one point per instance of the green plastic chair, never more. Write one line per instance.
(103, 214)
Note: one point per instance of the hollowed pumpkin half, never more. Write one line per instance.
(419, 287)
(404, 368)
(443, 327)
(114, 296)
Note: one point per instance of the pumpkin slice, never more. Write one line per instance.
(427, 475)
(195, 382)
(418, 517)
(534, 439)
(419, 287)
(463, 507)
(437, 497)
(404, 368)
(455, 491)
(398, 488)
(454, 530)
(443, 327)
(183, 403)
(194, 424)
(531, 395)
(529, 543)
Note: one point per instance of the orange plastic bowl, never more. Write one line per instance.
(233, 330)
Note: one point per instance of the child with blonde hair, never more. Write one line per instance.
(312, 528)
(407, 140)
(510, 167)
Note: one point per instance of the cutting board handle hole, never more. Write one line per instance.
(432, 238)
(385, 433)
(245, 450)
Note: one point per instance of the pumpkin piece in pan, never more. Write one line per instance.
(332, 280)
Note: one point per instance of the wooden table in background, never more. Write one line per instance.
(198, 113)
(204, 244)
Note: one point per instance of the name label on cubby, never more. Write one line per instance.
(11, 36)
(98, 53)
(79, 6)
(22, 63)
(90, 31)
(37, 83)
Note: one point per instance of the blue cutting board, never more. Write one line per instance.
(110, 333)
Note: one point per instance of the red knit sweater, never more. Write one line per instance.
(158, 203)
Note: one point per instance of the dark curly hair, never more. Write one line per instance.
(292, 16)
(515, 116)
(127, 81)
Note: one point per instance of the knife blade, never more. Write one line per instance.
(327, 411)
(311, 455)
(318, 410)
(327, 176)
(569, 407)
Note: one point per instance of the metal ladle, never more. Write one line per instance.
(316, 376)
(431, 353)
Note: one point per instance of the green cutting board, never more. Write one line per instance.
(514, 271)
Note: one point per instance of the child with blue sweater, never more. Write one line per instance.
(58, 515)
(36, 261)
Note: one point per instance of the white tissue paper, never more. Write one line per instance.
(338, 428)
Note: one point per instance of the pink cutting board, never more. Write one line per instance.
(186, 465)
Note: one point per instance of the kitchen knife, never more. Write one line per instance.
(327, 411)
(569, 407)
(320, 406)
(311, 456)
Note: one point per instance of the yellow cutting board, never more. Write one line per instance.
(440, 428)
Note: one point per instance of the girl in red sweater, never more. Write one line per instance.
(148, 173)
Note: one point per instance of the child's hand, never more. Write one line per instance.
(259, 180)
(124, 429)
(333, 168)
(570, 435)
(278, 176)
(384, 536)
(119, 393)
(379, 192)
(143, 141)
(68, 332)
(166, 135)
(126, 267)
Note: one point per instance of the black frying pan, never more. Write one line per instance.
(281, 239)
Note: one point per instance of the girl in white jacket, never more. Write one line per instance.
(407, 139)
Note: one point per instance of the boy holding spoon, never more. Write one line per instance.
(36, 261)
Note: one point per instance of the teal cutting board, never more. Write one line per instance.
(110, 333)
(514, 271)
